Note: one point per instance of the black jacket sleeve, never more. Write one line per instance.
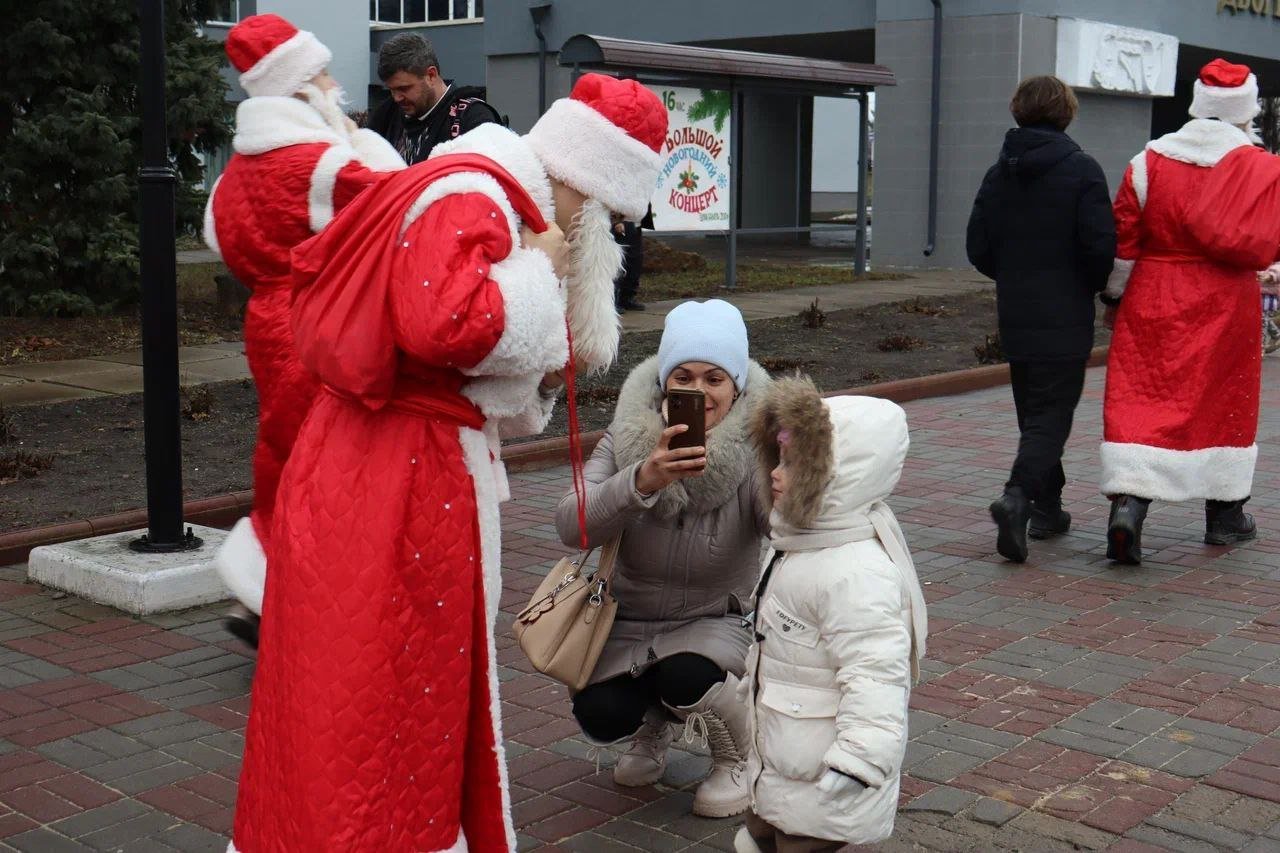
(1095, 225)
(978, 236)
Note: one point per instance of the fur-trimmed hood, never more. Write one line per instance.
(637, 424)
(846, 454)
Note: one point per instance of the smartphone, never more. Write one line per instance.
(688, 408)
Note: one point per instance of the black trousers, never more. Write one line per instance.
(614, 709)
(632, 242)
(1045, 394)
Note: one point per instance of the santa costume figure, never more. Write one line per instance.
(436, 325)
(1181, 409)
(298, 160)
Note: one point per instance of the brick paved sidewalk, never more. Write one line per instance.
(1067, 705)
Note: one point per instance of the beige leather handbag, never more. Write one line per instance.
(564, 628)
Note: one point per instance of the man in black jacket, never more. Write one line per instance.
(1042, 227)
(424, 109)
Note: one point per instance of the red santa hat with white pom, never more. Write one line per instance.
(604, 141)
(274, 57)
(1226, 91)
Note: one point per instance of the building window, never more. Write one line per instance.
(225, 12)
(424, 11)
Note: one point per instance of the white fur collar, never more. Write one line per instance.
(266, 123)
(637, 423)
(510, 151)
(1200, 142)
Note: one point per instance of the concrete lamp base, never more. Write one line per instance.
(105, 570)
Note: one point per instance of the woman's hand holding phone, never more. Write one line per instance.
(665, 466)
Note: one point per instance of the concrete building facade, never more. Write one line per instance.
(987, 46)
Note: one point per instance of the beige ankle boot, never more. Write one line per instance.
(646, 759)
(720, 720)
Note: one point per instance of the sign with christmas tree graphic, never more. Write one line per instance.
(693, 189)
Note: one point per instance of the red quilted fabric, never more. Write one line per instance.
(627, 104)
(260, 210)
(371, 727)
(1185, 364)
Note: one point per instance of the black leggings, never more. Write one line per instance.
(615, 709)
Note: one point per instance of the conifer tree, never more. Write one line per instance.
(69, 146)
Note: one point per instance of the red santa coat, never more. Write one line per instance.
(1183, 376)
(288, 176)
(375, 722)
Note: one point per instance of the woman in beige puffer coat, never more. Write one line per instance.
(840, 624)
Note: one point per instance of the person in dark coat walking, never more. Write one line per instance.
(1042, 227)
(628, 236)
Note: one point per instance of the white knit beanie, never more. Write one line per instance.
(711, 332)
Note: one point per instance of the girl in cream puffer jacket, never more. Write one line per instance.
(840, 624)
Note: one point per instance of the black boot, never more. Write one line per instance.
(1011, 514)
(1226, 522)
(243, 623)
(1124, 529)
(1048, 520)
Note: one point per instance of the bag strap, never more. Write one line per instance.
(608, 558)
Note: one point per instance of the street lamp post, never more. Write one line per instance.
(160, 400)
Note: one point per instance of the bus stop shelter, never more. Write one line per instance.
(740, 72)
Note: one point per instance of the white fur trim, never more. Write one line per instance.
(596, 260)
(287, 66)
(531, 421)
(583, 149)
(533, 337)
(457, 184)
(510, 151)
(324, 178)
(210, 231)
(242, 565)
(1118, 281)
(477, 454)
(1139, 175)
(512, 402)
(1214, 473)
(375, 152)
(1236, 105)
(1200, 142)
(267, 123)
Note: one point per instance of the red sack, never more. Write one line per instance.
(1236, 218)
(341, 326)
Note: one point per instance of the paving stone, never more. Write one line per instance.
(1165, 840)
(995, 812)
(70, 753)
(103, 816)
(1200, 831)
(129, 834)
(121, 768)
(45, 841)
(189, 838)
(945, 766)
(639, 836)
(943, 799)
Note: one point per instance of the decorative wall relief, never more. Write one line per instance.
(1116, 60)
